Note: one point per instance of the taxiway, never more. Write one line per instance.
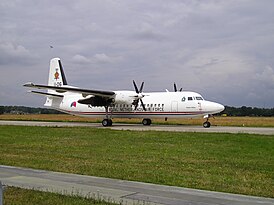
(139, 127)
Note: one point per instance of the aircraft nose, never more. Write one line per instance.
(219, 107)
(214, 107)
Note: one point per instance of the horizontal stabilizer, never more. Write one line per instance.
(47, 94)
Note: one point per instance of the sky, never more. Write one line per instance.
(222, 49)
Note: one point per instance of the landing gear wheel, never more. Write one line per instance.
(206, 124)
(107, 122)
(146, 122)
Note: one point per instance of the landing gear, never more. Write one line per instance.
(107, 122)
(206, 124)
(146, 122)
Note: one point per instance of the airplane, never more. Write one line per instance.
(123, 103)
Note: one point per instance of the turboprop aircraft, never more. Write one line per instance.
(122, 103)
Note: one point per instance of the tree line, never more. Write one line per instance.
(26, 110)
(248, 111)
(229, 111)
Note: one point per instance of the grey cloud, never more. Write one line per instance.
(266, 77)
(15, 54)
(219, 48)
(97, 58)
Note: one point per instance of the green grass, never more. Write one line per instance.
(17, 196)
(236, 163)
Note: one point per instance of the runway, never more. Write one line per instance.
(139, 127)
(119, 191)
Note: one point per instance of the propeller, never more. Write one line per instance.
(139, 95)
(175, 88)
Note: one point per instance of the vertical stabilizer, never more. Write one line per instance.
(56, 73)
(56, 78)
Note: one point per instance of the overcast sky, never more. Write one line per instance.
(222, 49)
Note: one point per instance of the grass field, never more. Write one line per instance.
(218, 121)
(236, 163)
(17, 196)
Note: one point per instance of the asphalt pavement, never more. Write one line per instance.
(140, 127)
(119, 191)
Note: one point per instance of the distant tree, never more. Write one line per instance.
(2, 110)
(248, 111)
(27, 110)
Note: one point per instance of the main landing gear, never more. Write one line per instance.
(107, 121)
(146, 122)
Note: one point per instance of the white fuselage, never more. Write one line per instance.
(108, 104)
(158, 105)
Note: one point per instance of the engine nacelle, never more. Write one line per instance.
(125, 97)
(96, 101)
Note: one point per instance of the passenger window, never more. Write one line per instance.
(183, 99)
(189, 98)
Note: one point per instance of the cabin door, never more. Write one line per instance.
(174, 106)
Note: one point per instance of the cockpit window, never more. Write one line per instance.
(199, 98)
(189, 98)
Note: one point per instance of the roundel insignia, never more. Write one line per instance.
(73, 104)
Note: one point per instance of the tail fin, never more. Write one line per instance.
(56, 78)
(56, 73)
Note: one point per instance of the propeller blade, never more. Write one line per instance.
(135, 103)
(141, 88)
(135, 86)
(143, 105)
(175, 87)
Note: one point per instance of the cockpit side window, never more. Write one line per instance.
(189, 98)
(199, 98)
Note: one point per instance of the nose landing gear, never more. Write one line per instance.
(207, 124)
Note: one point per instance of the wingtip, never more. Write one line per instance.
(29, 84)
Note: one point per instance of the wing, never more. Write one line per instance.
(84, 92)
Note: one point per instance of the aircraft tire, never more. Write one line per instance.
(206, 124)
(146, 122)
(107, 122)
